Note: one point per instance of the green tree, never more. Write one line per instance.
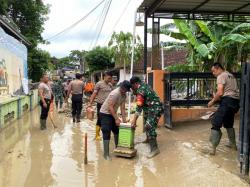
(207, 42)
(39, 63)
(121, 48)
(78, 58)
(29, 16)
(99, 58)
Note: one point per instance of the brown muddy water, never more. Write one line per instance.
(33, 158)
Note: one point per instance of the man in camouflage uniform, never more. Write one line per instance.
(58, 91)
(148, 101)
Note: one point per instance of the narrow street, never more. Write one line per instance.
(34, 158)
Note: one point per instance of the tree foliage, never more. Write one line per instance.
(208, 42)
(121, 48)
(39, 62)
(77, 58)
(99, 58)
(29, 16)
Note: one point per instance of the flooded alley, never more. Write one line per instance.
(55, 157)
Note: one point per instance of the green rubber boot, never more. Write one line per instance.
(106, 149)
(42, 124)
(231, 138)
(215, 137)
(154, 150)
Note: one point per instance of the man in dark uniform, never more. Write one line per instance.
(228, 96)
(76, 88)
(149, 102)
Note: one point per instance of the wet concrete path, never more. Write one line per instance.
(33, 158)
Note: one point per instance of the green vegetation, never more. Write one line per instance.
(208, 42)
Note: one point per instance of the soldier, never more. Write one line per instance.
(228, 96)
(58, 91)
(46, 95)
(101, 91)
(149, 102)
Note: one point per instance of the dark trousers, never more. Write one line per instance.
(108, 125)
(98, 108)
(76, 105)
(224, 116)
(45, 110)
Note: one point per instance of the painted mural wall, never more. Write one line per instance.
(13, 65)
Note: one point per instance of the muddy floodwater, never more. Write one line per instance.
(33, 158)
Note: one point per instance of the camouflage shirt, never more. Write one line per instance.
(151, 102)
(58, 88)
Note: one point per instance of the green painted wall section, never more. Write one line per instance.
(15, 107)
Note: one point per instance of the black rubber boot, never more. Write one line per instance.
(154, 150)
(106, 149)
(78, 118)
(74, 118)
(215, 140)
(231, 138)
(116, 138)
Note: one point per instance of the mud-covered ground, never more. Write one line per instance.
(55, 157)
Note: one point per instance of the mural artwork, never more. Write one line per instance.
(13, 66)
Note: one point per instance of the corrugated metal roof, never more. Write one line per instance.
(11, 30)
(228, 10)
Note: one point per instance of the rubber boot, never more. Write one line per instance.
(42, 124)
(146, 140)
(116, 140)
(74, 118)
(154, 150)
(78, 118)
(231, 138)
(97, 133)
(106, 149)
(215, 140)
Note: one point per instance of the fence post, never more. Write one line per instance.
(244, 140)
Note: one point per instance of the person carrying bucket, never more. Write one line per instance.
(101, 91)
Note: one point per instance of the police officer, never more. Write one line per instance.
(110, 121)
(228, 96)
(101, 91)
(45, 93)
(149, 102)
(76, 88)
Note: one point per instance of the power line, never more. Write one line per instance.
(118, 20)
(74, 24)
(99, 22)
(103, 22)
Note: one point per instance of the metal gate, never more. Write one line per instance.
(244, 138)
(187, 90)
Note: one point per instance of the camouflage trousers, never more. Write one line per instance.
(151, 120)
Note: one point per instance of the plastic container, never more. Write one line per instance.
(126, 135)
(90, 113)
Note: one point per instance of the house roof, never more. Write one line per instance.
(12, 30)
(219, 10)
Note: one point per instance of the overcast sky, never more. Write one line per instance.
(64, 13)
